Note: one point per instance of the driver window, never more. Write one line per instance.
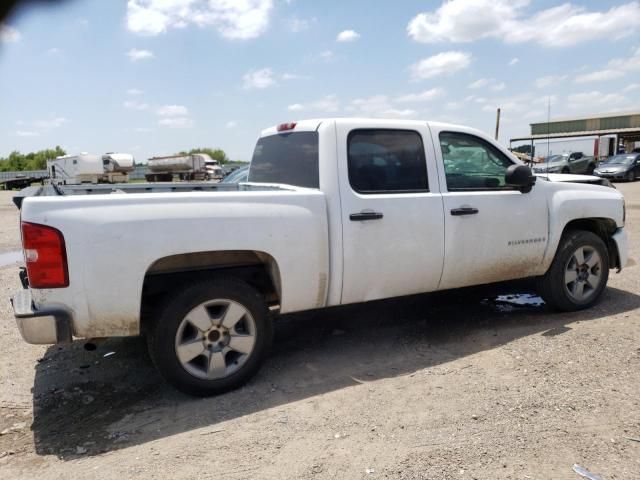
(471, 163)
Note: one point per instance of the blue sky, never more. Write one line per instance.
(157, 76)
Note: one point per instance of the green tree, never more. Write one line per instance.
(17, 161)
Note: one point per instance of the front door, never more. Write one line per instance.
(493, 232)
(393, 239)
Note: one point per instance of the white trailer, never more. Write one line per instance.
(117, 166)
(75, 169)
(87, 168)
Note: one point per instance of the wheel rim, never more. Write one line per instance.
(215, 339)
(583, 273)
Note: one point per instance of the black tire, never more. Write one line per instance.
(162, 335)
(565, 170)
(552, 287)
(631, 176)
(590, 169)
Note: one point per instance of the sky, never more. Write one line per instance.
(153, 77)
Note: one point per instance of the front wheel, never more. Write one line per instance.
(631, 176)
(578, 274)
(211, 337)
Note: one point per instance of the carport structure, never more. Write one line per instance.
(619, 128)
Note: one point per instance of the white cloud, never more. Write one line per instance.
(594, 100)
(378, 106)
(53, 51)
(233, 19)
(142, 129)
(231, 124)
(327, 104)
(481, 82)
(615, 68)
(26, 133)
(262, 78)
(9, 34)
(290, 76)
(327, 55)
(497, 87)
(347, 36)
(175, 122)
(135, 54)
(461, 21)
(444, 63)
(133, 105)
(549, 80)
(599, 76)
(134, 91)
(297, 25)
(425, 96)
(172, 111)
(514, 61)
(55, 122)
(631, 87)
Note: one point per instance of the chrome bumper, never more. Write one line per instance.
(45, 326)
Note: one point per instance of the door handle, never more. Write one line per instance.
(464, 211)
(362, 216)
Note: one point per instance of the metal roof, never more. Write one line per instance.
(587, 133)
(587, 117)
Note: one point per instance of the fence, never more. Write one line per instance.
(24, 173)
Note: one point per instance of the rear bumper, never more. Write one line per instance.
(620, 239)
(43, 326)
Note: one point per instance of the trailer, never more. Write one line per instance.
(196, 166)
(75, 169)
(117, 166)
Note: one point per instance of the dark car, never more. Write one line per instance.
(620, 167)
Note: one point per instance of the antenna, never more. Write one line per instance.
(548, 134)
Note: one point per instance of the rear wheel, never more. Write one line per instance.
(590, 169)
(579, 272)
(211, 337)
(565, 170)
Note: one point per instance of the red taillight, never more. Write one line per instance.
(45, 256)
(283, 127)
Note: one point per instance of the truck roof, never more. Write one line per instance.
(311, 125)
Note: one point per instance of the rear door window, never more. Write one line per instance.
(386, 161)
(289, 158)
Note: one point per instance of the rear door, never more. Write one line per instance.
(392, 217)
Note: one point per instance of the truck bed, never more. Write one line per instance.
(108, 188)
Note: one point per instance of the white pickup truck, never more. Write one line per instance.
(336, 211)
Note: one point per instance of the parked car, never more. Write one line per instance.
(575, 162)
(620, 167)
(238, 175)
(350, 210)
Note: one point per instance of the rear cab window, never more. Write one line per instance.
(287, 158)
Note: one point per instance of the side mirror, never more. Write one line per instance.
(520, 176)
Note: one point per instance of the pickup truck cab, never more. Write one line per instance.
(336, 211)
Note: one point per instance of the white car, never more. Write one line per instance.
(336, 211)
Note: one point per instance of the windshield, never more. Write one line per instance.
(620, 160)
(239, 175)
(290, 158)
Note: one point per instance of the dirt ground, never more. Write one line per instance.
(442, 386)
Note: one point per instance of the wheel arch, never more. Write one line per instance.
(603, 228)
(258, 269)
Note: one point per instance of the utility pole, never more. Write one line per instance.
(497, 123)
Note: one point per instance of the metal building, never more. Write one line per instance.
(619, 130)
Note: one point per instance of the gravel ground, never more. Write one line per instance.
(428, 387)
